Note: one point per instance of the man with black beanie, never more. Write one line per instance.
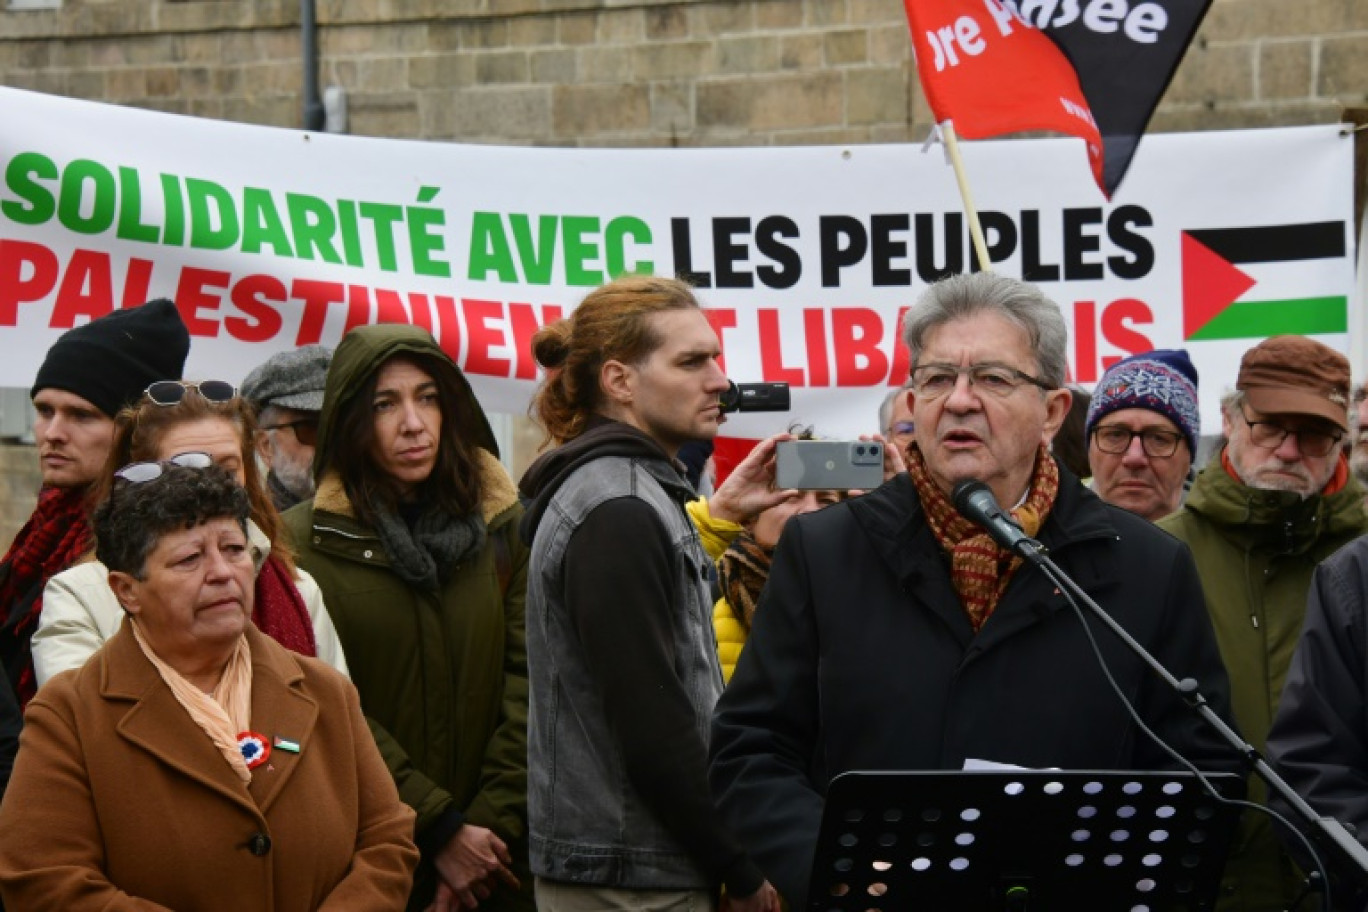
(88, 375)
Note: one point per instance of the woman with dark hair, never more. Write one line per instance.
(80, 612)
(412, 536)
(194, 763)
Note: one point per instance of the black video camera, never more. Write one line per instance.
(755, 397)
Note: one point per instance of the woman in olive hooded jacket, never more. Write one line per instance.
(412, 536)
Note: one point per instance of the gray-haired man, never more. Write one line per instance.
(287, 392)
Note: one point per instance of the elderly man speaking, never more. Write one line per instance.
(895, 635)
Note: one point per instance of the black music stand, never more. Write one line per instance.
(1028, 840)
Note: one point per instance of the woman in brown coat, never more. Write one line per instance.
(193, 763)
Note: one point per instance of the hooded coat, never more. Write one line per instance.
(442, 674)
(1256, 551)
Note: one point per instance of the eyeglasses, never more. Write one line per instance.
(171, 392)
(1310, 442)
(1116, 440)
(305, 429)
(902, 427)
(142, 472)
(931, 381)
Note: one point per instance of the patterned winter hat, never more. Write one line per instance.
(1162, 381)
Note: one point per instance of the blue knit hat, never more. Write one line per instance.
(1162, 381)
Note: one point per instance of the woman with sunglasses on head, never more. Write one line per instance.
(194, 763)
(80, 612)
(412, 536)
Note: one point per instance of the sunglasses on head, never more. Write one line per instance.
(141, 472)
(171, 392)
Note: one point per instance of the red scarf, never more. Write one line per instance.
(979, 568)
(280, 612)
(54, 538)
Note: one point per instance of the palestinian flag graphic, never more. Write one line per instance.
(1280, 292)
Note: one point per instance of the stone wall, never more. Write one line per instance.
(622, 73)
(654, 73)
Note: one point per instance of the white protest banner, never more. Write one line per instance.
(806, 257)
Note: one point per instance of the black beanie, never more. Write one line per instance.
(110, 361)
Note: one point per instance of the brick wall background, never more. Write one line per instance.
(652, 73)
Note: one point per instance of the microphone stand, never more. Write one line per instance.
(1326, 831)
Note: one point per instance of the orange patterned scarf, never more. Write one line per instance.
(979, 569)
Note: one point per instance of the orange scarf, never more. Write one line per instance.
(979, 568)
(222, 714)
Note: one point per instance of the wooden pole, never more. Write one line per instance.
(975, 229)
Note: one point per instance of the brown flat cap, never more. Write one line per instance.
(1295, 375)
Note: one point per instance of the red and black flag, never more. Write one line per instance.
(1095, 69)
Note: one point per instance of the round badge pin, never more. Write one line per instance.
(255, 748)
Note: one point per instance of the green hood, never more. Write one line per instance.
(360, 354)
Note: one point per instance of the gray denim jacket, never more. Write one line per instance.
(586, 823)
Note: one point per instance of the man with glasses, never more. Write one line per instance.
(894, 634)
(895, 419)
(1278, 501)
(287, 392)
(1142, 429)
(87, 376)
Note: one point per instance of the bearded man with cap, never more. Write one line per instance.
(88, 375)
(1142, 430)
(287, 392)
(1278, 501)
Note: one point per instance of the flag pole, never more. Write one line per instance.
(947, 129)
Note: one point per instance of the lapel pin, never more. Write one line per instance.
(285, 744)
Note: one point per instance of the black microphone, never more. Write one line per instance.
(975, 502)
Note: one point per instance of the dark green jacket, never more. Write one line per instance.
(442, 674)
(1255, 553)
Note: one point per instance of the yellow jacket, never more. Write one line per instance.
(717, 535)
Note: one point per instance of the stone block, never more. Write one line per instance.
(497, 114)
(893, 133)
(772, 102)
(605, 64)
(205, 48)
(445, 35)
(88, 84)
(125, 84)
(196, 81)
(365, 40)
(531, 31)
(1344, 69)
(890, 43)
(875, 96)
(844, 47)
(724, 18)
(38, 55)
(778, 14)
(381, 74)
(484, 34)
(666, 23)
(163, 82)
(436, 71)
(748, 54)
(577, 28)
(269, 111)
(1214, 73)
(875, 12)
(556, 65)
(674, 59)
(822, 136)
(1231, 20)
(382, 114)
(501, 67)
(800, 52)
(1243, 116)
(621, 27)
(820, 13)
(672, 107)
(198, 17)
(228, 80)
(581, 111)
(1285, 69)
(206, 107)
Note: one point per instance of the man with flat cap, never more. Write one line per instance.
(1277, 501)
(89, 373)
(287, 392)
